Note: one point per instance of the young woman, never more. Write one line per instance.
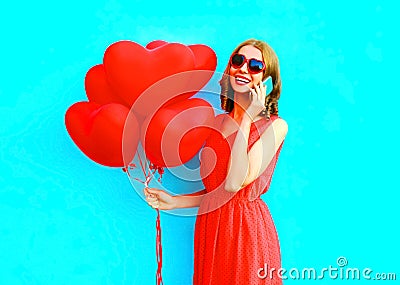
(235, 237)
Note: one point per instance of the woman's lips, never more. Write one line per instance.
(241, 80)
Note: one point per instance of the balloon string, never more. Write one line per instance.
(142, 166)
(148, 176)
(128, 167)
(158, 250)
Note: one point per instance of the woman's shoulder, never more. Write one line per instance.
(272, 118)
(219, 119)
(280, 126)
(278, 118)
(220, 116)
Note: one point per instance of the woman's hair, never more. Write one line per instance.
(271, 69)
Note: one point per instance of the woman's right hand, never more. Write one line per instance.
(257, 102)
(160, 199)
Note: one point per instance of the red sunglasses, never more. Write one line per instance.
(253, 65)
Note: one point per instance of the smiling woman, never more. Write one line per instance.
(260, 50)
(234, 232)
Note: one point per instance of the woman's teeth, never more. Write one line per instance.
(242, 80)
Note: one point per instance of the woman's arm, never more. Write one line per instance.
(244, 167)
(264, 149)
(160, 199)
(189, 200)
(238, 167)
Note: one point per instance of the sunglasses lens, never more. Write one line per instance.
(256, 65)
(237, 60)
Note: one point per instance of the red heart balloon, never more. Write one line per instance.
(205, 57)
(205, 65)
(131, 68)
(177, 132)
(98, 131)
(170, 90)
(155, 44)
(97, 88)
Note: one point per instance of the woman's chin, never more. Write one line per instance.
(241, 88)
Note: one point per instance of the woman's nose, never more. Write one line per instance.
(244, 68)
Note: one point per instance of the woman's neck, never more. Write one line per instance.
(241, 103)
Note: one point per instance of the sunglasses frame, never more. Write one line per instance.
(246, 60)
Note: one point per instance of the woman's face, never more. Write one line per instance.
(241, 79)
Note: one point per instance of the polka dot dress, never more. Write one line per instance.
(235, 236)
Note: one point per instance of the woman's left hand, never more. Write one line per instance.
(257, 100)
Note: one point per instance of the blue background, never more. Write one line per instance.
(67, 220)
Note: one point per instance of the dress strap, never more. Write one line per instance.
(258, 128)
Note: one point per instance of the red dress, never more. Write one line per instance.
(235, 235)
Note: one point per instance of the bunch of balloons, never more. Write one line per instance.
(143, 94)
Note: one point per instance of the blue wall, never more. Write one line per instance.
(66, 220)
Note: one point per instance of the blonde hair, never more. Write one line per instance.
(272, 69)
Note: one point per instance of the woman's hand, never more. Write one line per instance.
(257, 98)
(160, 199)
